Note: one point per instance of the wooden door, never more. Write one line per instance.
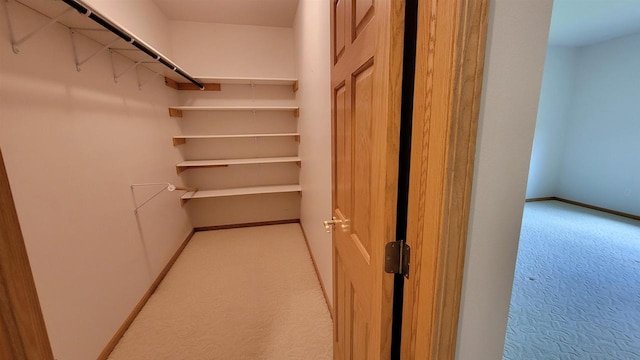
(367, 38)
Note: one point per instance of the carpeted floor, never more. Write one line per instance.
(576, 291)
(248, 293)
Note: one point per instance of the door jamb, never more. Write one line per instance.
(449, 69)
(23, 333)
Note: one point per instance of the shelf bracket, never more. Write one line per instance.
(116, 75)
(15, 42)
(79, 62)
(175, 112)
(179, 141)
(143, 83)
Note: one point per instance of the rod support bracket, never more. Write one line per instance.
(104, 22)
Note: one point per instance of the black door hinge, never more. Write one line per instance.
(396, 258)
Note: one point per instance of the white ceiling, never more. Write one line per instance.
(584, 22)
(244, 12)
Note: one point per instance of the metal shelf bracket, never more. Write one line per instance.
(80, 62)
(106, 25)
(142, 83)
(117, 75)
(16, 42)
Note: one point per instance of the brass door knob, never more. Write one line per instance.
(328, 224)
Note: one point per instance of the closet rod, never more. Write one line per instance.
(87, 11)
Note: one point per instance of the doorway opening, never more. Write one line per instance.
(576, 287)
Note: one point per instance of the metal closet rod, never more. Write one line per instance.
(86, 11)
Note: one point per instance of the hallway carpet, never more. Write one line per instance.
(248, 293)
(576, 293)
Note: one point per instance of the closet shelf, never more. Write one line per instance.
(182, 166)
(176, 111)
(254, 190)
(250, 81)
(181, 139)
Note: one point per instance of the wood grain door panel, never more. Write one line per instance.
(365, 120)
(362, 13)
(362, 111)
(339, 32)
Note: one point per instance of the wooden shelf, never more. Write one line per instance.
(181, 139)
(247, 80)
(213, 83)
(255, 190)
(182, 166)
(250, 81)
(234, 108)
(176, 111)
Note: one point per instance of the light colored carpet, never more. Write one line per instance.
(576, 293)
(249, 293)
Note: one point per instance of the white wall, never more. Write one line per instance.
(554, 110)
(312, 47)
(516, 44)
(73, 142)
(211, 49)
(586, 132)
(600, 164)
(140, 17)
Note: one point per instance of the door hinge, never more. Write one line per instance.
(396, 258)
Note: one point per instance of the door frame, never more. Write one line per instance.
(451, 40)
(23, 335)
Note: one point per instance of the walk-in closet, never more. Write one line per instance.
(160, 160)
